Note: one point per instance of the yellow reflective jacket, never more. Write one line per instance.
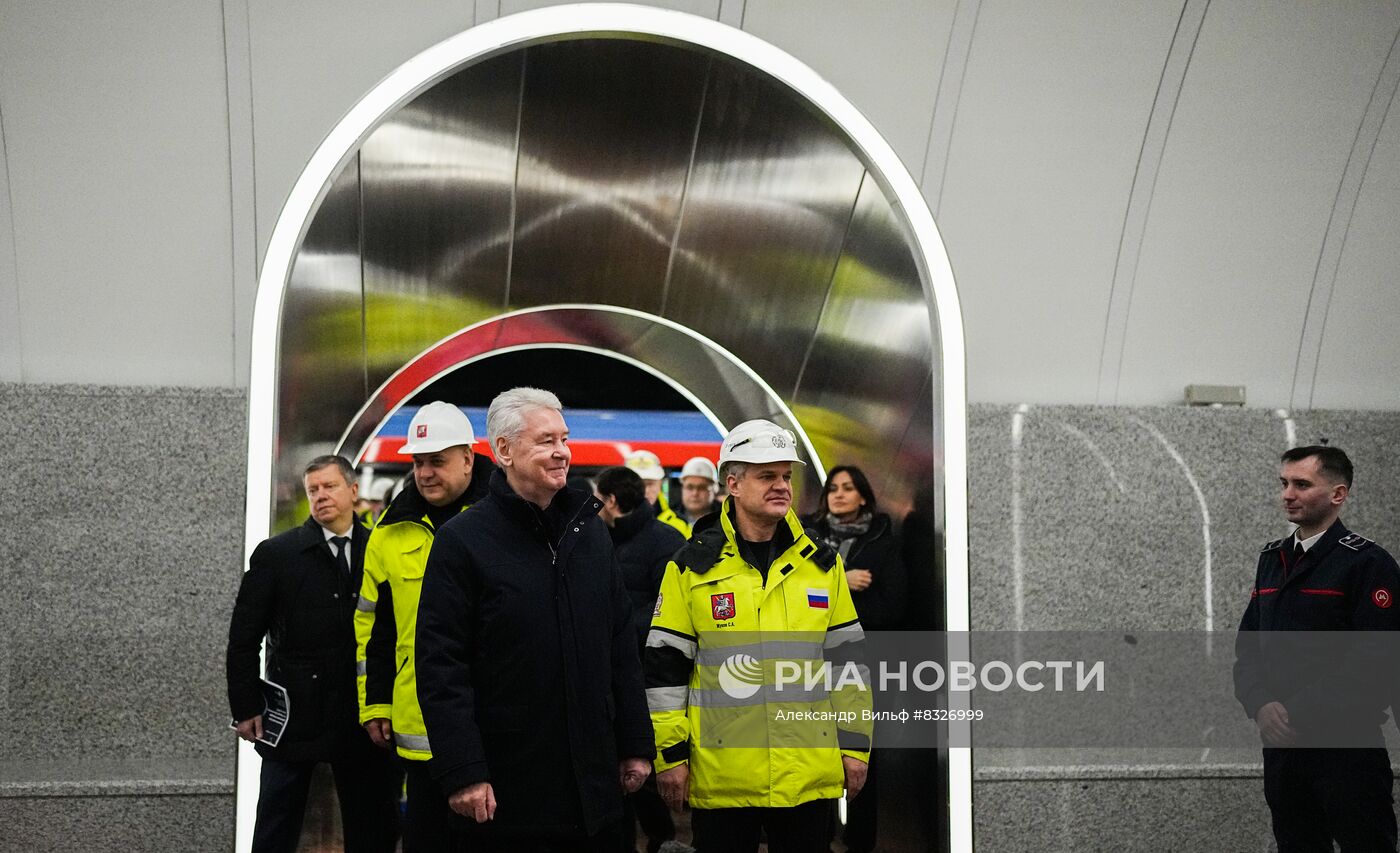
(729, 664)
(668, 516)
(386, 617)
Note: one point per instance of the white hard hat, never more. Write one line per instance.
(646, 464)
(759, 441)
(438, 426)
(699, 466)
(378, 489)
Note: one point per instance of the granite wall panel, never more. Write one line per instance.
(120, 551)
(118, 824)
(1115, 815)
(120, 559)
(1099, 518)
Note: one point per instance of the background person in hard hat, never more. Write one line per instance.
(648, 467)
(443, 484)
(752, 584)
(644, 546)
(699, 482)
(299, 592)
(527, 658)
(376, 494)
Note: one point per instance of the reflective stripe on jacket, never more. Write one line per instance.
(720, 636)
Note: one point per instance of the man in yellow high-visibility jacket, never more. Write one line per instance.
(440, 440)
(751, 603)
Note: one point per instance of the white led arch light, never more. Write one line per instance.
(609, 20)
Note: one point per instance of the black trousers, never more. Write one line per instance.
(799, 829)
(610, 839)
(430, 825)
(647, 808)
(366, 784)
(1317, 795)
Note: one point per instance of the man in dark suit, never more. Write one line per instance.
(299, 592)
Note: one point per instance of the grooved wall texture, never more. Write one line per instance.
(1102, 518)
(1145, 518)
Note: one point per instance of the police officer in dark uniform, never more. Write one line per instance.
(1321, 690)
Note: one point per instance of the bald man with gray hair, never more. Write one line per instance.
(528, 672)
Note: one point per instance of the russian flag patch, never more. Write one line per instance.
(818, 598)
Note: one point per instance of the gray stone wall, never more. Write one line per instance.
(1099, 518)
(119, 561)
(121, 550)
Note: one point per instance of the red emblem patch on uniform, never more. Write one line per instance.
(1382, 598)
(722, 605)
(422, 430)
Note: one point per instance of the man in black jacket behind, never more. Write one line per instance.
(528, 673)
(299, 591)
(644, 546)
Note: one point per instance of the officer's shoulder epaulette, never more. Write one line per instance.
(1355, 542)
(1274, 545)
(702, 551)
(820, 553)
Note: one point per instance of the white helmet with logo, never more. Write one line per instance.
(438, 426)
(646, 464)
(757, 442)
(699, 466)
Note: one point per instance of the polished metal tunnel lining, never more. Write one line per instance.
(343, 303)
(620, 173)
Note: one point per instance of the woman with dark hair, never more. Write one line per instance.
(865, 539)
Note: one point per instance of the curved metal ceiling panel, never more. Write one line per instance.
(438, 179)
(606, 134)
(688, 190)
(766, 212)
(321, 345)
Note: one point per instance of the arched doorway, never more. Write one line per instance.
(642, 182)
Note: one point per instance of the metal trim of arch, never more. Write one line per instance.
(618, 20)
(582, 327)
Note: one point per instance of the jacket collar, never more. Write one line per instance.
(1322, 547)
(788, 534)
(880, 524)
(567, 503)
(410, 505)
(310, 535)
(789, 529)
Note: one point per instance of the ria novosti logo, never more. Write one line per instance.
(740, 676)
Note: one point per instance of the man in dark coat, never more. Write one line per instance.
(299, 592)
(644, 546)
(528, 673)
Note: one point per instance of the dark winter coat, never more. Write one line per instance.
(882, 605)
(528, 673)
(644, 546)
(296, 594)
